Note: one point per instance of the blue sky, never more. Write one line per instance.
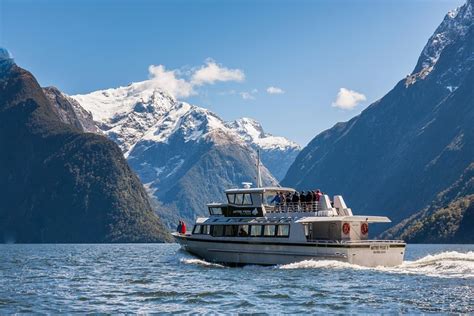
(308, 49)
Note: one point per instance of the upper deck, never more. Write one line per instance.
(261, 201)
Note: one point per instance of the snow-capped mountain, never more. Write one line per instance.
(186, 155)
(454, 28)
(277, 152)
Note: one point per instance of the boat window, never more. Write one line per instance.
(243, 230)
(269, 230)
(206, 230)
(217, 230)
(215, 210)
(247, 199)
(197, 229)
(283, 230)
(307, 230)
(239, 199)
(231, 198)
(255, 230)
(230, 230)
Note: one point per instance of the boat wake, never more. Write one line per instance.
(449, 264)
(200, 262)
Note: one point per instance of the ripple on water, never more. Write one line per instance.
(159, 278)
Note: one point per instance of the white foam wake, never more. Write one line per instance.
(449, 264)
(200, 263)
(321, 264)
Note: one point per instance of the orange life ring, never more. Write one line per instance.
(346, 228)
(364, 228)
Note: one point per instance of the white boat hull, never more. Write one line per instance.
(275, 252)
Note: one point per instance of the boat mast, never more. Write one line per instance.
(259, 175)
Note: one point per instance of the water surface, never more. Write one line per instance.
(161, 278)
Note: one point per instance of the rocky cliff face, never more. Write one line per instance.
(416, 141)
(186, 155)
(58, 183)
(69, 111)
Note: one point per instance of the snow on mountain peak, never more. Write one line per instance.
(252, 131)
(107, 104)
(454, 26)
(141, 112)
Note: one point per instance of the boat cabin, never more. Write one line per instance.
(251, 212)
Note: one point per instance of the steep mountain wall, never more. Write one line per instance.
(404, 149)
(59, 184)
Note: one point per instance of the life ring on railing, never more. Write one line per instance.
(346, 228)
(364, 228)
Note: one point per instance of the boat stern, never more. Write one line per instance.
(377, 253)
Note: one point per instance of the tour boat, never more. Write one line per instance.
(249, 229)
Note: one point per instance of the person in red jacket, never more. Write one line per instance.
(318, 195)
(183, 227)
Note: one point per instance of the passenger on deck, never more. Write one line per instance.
(295, 200)
(276, 199)
(303, 200)
(178, 229)
(309, 200)
(288, 198)
(318, 195)
(183, 228)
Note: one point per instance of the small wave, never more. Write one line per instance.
(201, 263)
(449, 264)
(321, 264)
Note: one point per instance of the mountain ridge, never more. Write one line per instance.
(60, 184)
(402, 150)
(171, 144)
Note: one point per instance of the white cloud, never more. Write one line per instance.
(182, 84)
(212, 72)
(168, 81)
(348, 99)
(247, 95)
(275, 90)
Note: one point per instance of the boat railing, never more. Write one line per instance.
(293, 207)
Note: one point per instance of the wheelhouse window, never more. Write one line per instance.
(247, 200)
(215, 210)
(256, 230)
(269, 230)
(283, 230)
(231, 198)
(240, 199)
(206, 229)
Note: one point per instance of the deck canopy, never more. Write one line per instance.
(360, 218)
(260, 190)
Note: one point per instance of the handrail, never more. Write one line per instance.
(293, 207)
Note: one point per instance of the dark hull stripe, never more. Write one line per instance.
(287, 244)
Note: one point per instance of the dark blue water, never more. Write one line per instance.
(160, 278)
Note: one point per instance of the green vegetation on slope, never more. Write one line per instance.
(59, 184)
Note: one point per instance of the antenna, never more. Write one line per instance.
(259, 175)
